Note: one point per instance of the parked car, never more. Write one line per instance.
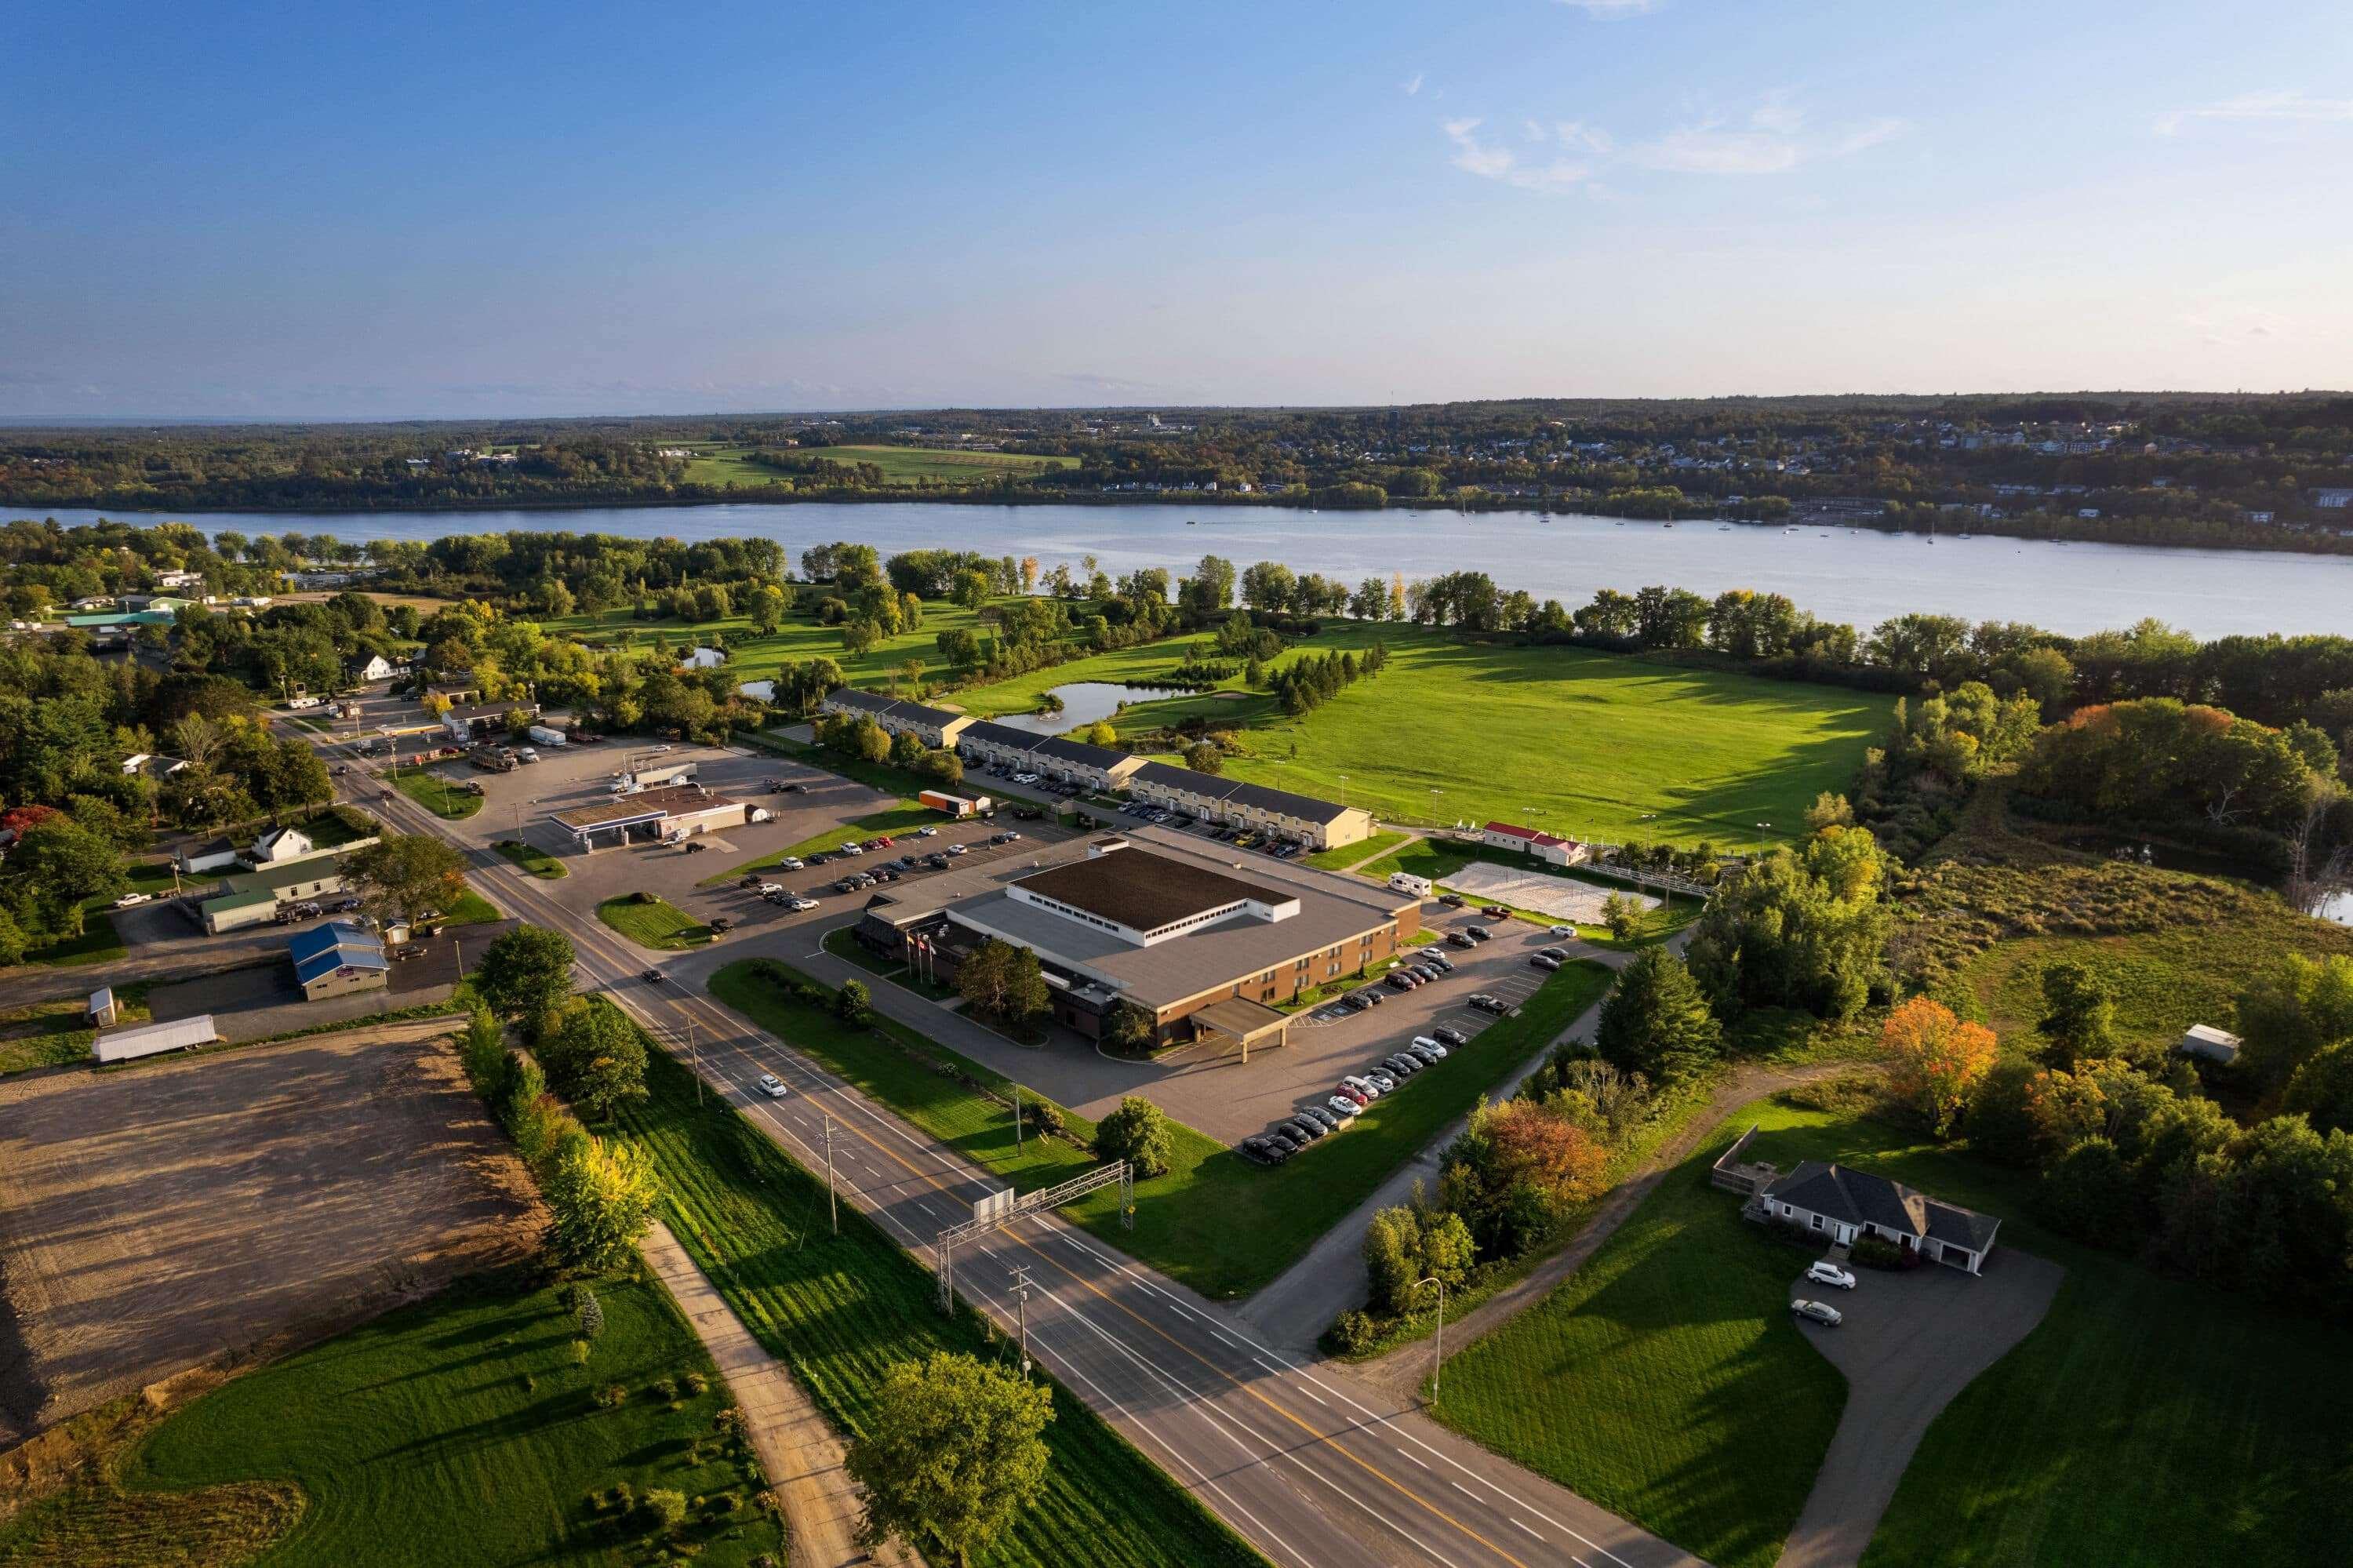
(1344, 1106)
(1544, 963)
(1828, 1272)
(1480, 933)
(129, 899)
(954, 849)
(1308, 1131)
(1448, 1035)
(1363, 1086)
(1431, 1043)
(1401, 1065)
(1439, 963)
(720, 925)
(790, 863)
(795, 788)
(1559, 953)
(937, 862)
(1460, 939)
(1400, 980)
(1428, 1055)
(1486, 1003)
(881, 843)
(1451, 900)
(1321, 1118)
(818, 859)
(853, 849)
(927, 831)
(1382, 1081)
(1496, 912)
(697, 847)
(1821, 1312)
(1258, 1150)
(802, 903)
(1560, 931)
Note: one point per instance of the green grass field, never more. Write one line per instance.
(1584, 744)
(437, 793)
(843, 1309)
(900, 465)
(55, 1033)
(655, 922)
(1185, 1220)
(757, 657)
(471, 909)
(1347, 855)
(537, 862)
(458, 1431)
(2144, 1421)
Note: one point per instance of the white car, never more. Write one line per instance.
(927, 831)
(1384, 1081)
(790, 863)
(1343, 1107)
(772, 1085)
(1830, 1273)
(802, 903)
(853, 849)
(1025, 779)
(956, 848)
(1560, 931)
(1423, 1043)
(1363, 1086)
(129, 900)
(1820, 1312)
(769, 887)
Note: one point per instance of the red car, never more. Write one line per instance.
(882, 843)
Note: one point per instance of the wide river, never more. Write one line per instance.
(1839, 574)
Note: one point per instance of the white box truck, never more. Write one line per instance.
(544, 735)
(940, 800)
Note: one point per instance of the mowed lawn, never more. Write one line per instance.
(459, 1431)
(2145, 1421)
(1586, 744)
(900, 465)
(654, 923)
(1187, 1219)
(757, 657)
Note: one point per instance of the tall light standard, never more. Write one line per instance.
(1440, 1369)
(1762, 829)
(1434, 793)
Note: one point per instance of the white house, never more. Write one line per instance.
(282, 844)
(1841, 1204)
(179, 579)
(377, 668)
(1530, 841)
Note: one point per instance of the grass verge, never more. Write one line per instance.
(458, 1431)
(1187, 1220)
(1347, 855)
(537, 862)
(843, 1309)
(437, 793)
(652, 922)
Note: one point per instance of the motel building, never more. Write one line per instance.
(935, 727)
(1228, 803)
(984, 743)
(1206, 948)
(655, 816)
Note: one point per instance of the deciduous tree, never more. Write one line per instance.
(1935, 1059)
(953, 1450)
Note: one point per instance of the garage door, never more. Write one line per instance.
(1957, 1257)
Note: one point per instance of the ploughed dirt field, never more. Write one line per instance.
(181, 1209)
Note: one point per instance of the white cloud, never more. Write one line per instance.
(1411, 85)
(1613, 10)
(2290, 107)
(1772, 139)
(1491, 161)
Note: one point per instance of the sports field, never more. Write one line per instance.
(900, 465)
(1579, 742)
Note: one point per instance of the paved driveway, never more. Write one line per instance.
(1910, 1343)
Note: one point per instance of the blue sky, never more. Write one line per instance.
(445, 210)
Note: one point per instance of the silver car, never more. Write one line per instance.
(1821, 1312)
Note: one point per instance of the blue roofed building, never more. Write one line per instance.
(338, 958)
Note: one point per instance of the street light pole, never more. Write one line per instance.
(1440, 1369)
(832, 1210)
(1021, 1298)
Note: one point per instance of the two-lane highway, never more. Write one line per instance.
(1312, 1467)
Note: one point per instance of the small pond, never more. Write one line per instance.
(1084, 701)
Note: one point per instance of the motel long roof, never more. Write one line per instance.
(1059, 749)
(643, 806)
(891, 707)
(1233, 791)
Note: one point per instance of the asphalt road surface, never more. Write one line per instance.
(1312, 1467)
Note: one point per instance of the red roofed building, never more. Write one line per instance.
(1529, 841)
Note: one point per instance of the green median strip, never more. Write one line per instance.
(537, 862)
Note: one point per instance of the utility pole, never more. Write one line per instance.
(1016, 1118)
(1439, 1371)
(832, 1211)
(1021, 1308)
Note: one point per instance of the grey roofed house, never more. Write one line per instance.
(1209, 786)
(1077, 753)
(896, 713)
(989, 732)
(1843, 1203)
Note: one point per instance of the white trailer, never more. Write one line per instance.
(544, 735)
(1419, 886)
(668, 773)
(147, 1039)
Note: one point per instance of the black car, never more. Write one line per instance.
(1306, 1131)
(818, 859)
(1355, 1002)
(752, 881)
(1451, 900)
(1447, 1035)
(1459, 940)
(1486, 1003)
(1321, 1118)
(1402, 980)
(652, 977)
(1260, 1150)
(1369, 997)
(1479, 933)
(1558, 954)
(1497, 912)
(795, 788)
(1285, 1141)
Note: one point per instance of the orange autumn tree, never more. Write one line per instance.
(1933, 1058)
